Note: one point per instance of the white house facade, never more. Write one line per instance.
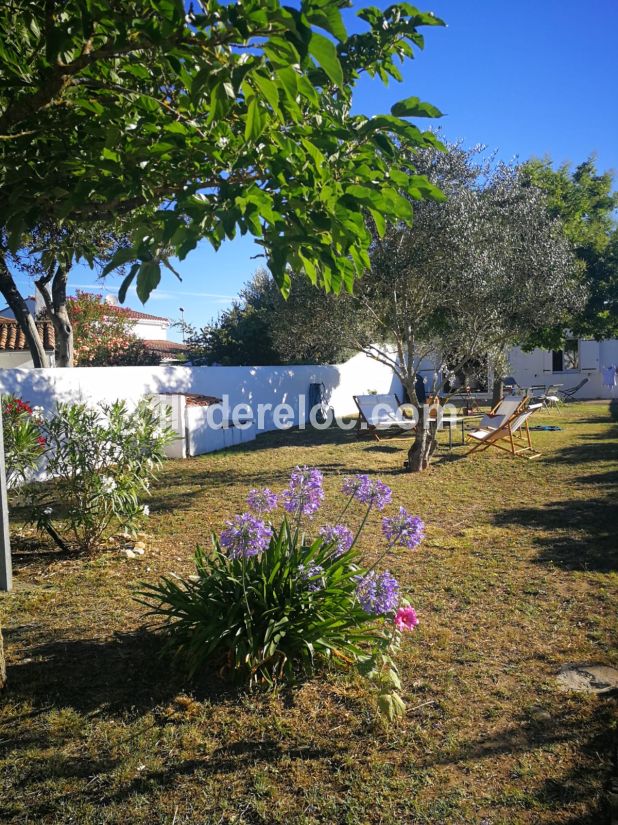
(579, 359)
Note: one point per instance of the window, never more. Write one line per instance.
(563, 360)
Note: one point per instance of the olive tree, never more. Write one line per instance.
(475, 274)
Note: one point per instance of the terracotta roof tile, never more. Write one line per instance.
(164, 346)
(12, 339)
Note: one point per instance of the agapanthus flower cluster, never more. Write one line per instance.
(312, 576)
(245, 536)
(305, 493)
(340, 535)
(404, 529)
(262, 501)
(378, 593)
(368, 491)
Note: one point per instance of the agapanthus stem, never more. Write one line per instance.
(343, 512)
(389, 547)
(362, 524)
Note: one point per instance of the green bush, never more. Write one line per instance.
(101, 462)
(268, 603)
(24, 443)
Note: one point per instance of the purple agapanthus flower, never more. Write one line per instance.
(404, 529)
(262, 501)
(338, 534)
(368, 491)
(312, 575)
(305, 493)
(245, 536)
(378, 593)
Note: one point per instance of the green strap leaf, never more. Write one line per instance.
(124, 286)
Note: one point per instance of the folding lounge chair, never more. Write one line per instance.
(569, 395)
(380, 413)
(503, 411)
(514, 431)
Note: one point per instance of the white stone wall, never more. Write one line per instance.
(250, 385)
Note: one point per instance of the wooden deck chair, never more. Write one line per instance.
(381, 413)
(505, 409)
(514, 431)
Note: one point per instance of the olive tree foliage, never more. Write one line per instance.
(263, 327)
(203, 123)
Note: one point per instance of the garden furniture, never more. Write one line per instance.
(381, 413)
(569, 395)
(513, 430)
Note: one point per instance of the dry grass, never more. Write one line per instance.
(517, 577)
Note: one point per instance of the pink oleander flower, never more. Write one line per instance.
(406, 618)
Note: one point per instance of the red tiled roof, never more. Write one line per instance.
(164, 346)
(12, 339)
(135, 315)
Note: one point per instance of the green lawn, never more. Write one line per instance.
(517, 577)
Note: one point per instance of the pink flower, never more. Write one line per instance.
(406, 618)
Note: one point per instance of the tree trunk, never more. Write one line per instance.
(56, 305)
(425, 441)
(63, 332)
(2, 663)
(497, 391)
(12, 296)
(423, 446)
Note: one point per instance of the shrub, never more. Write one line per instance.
(101, 462)
(104, 335)
(24, 443)
(269, 602)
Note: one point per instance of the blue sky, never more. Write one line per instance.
(527, 78)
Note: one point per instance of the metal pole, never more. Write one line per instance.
(6, 575)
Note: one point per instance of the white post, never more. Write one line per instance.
(6, 576)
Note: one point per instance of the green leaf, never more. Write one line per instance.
(148, 279)
(414, 107)
(325, 52)
(122, 256)
(254, 124)
(268, 88)
(124, 286)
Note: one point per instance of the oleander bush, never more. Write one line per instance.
(100, 462)
(24, 442)
(271, 600)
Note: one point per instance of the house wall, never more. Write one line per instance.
(10, 360)
(250, 385)
(535, 367)
(155, 330)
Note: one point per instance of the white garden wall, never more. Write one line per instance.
(250, 385)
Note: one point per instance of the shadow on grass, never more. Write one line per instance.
(595, 740)
(124, 673)
(578, 533)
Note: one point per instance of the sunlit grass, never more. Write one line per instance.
(517, 576)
